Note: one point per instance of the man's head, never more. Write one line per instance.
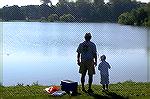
(103, 58)
(87, 36)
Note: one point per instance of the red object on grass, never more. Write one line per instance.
(53, 89)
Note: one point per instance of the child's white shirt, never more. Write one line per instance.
(103, 68)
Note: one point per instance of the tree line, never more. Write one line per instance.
(72, 11)
(139, 16)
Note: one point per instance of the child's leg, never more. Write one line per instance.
(103, 86)
(107, 86)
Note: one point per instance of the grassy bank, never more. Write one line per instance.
(125, 90)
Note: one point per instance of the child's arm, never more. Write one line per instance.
(109, 66)
(99, 67)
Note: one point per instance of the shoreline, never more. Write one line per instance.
(38, 84)
(32, 21)
(126, 90)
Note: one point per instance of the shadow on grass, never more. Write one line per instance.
(109, 95)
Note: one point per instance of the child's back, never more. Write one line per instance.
(103, 67)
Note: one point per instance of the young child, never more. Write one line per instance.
(103, 68)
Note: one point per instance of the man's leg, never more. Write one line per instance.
(90, 81)
(83, 80)
(91, 72)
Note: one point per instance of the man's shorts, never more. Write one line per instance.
(87, 66)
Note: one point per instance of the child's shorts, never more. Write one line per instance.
(104, 79)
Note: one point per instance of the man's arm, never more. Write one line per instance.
(79, 54)
(95, 57)
(78, 59)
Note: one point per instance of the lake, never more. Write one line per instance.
(46, 52)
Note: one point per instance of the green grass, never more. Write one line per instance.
(125, 90)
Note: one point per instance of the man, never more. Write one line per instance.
(86, 59)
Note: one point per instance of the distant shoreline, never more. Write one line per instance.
(71, 22)
(38, 20)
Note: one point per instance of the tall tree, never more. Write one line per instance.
(12, 13)
(119, 1)
(1, 13)
(63, 0)
(47, 2)
(98, 2)
(46, 10)
(85, 1)
(31, 11)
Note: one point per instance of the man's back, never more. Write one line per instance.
(87, 49)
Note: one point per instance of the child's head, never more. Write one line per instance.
(88, 36)
(103, 58)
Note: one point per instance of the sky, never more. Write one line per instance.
(33, 2)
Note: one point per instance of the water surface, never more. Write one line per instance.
(46, 52)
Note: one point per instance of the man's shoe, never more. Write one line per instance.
(90, 91)
(103, 90)
(83, 89)
(106, 90)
